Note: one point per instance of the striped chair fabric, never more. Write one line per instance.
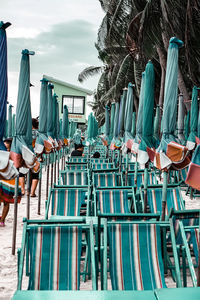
(78, 160)
(195, 242)
(102, 166)
(131, 167)
(7, 191)
(140, 179)
(113, 201)
(67, 202)
(135, 257)
(105, 179)
(99, 160)
(55, 253)
(174, 200)
(76, 167)
(74, 178)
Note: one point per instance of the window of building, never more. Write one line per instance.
(75, 104)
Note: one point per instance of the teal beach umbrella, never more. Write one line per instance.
(122, 111)
(50, 124)
(10, 121)
(181, 120)
(191, 141)
(65, 125)
(21, 149)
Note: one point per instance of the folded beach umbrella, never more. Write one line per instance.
(7, 168)
(115, 140)
(13, 125)
(138, 135)
(112, 120)
(43, 144)
(147, 139)
(170, 150)
(90, 129)
(10, 121)
(21, 149)
(107, 121)
(191, 141)
(133, 124)
(128, 138)
(180, 124)
(50, 123)
(65, 125)
(156, 126)
(122, 111)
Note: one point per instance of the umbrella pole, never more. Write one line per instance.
(126, 172)
(164, 195)
(55, 153)
(52, 169)
(47, 180)
(39, 189)
(136, 172)
(58, 164)
(28, 196)
(15, 215)
(145, 188)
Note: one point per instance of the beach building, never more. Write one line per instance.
(75, 97)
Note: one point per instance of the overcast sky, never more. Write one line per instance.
(62, 33)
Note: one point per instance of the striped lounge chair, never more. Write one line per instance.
(174, 200)
(65, 202)
(75, 167)
(106, 179)
(112, 201)
(53, 255)
(140, 179)
(135, 256)
(74, 178)
(78, 160)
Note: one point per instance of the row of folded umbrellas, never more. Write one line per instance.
(179, 138)
(52, 133)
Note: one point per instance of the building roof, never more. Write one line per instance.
(51, 79)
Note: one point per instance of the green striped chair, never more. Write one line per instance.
(131, 167)
(53, 255)
(78, 160)
(102, 166)
(99, 160)
(74, 178)
(135, 256)
(76, 167)
(66, 201)
(107, 179)
(154, 199)
(112, 201)
(140, 179)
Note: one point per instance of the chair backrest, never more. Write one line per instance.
(66, 202)
(55, 253)
(140, 179)
(135, 257)
(102, 166)
(74, 178)
(174, 200)
(78, 159)
(195, 241)
(74, 167)
(112, 201)
(99, 160)
(105, 179)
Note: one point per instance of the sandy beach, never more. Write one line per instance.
(8, 262)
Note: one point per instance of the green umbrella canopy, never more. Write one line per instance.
(10, 121)
(50, 124)
(112, 120)
(65, 127)
(148, 114)
(107, 121)
(122, 111)
(181, 120)
(133, 124)
(115, 132)
(140, 110)
(156, 123)
(128, 109)
(23, 112)
(13, 125)
(171, 88)
(54, 118)
(43, 106)
(90, 127)
(60, 129)
(3, 81)
(57, 118)
(191, 142)
(187, 125)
